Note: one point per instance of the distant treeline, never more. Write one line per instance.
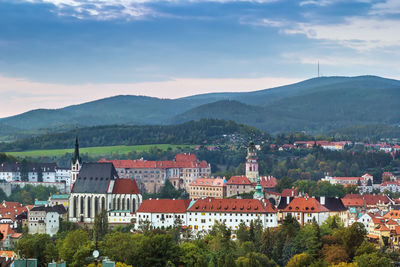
(193, 132)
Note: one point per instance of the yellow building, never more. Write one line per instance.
(207, 187)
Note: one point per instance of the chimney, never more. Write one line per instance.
(322, 201)
(292, 193)
(287, 200)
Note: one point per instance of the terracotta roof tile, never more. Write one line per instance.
(209, 182)
(305, 204)
(164, 205)
(238, 180)
(268, 182)
(232, 205)
(125, 186)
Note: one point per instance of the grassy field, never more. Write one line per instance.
(94, 151)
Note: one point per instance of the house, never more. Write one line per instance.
(365, 219)
(363, 180)
(163, 213)
(335, 207)
(389, 185)
(207, 187)
(268, 183)
(10, 238)
(151, 175)
(45, 219)
(238, 185)
(305, 210)
(368, 202)
(98, 188)
(59, 199)
(205, 212)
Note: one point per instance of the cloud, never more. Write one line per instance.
(361, 34)
(387, 7)
(119, 9)
(329, 2)
(20, 95)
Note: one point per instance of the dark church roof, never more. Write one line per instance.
(94, 178)
(333, 204)
(284, 202)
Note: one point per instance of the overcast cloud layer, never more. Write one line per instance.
(60, 52)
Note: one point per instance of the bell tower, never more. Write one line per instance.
(76, 163)
(251, 163)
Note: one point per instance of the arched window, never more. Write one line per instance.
(103, 203)
(88, 207)
(118, 204)
(123, 203)
(96, 206)
(133, 204)
(82, 205)
(127, 204)
(75, 211)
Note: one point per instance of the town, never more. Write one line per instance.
(113, 190)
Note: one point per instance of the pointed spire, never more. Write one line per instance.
(258, 194)
(76, 152)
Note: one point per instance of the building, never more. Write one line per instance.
(98, 187)
(9, 212)
(163, 213)
(205, 212)
(238, 185)
(305, 210)
(151, 175)
(268, 183)
(10, 238)
(59, 199)
(208, 187)
(389, 185)
(335, 207)
(45, 219)
(368, 203)
(76, 163)
(361, 181)
(251, 163)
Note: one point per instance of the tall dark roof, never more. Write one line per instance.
(283, 202)
(333, 204)
(94, 178)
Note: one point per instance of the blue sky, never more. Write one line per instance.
(59, 52)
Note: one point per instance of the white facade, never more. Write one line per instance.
(199, 221)
(161, 220)
(365, 220)
(121, 217)
(308, 217)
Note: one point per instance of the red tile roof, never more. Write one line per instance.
(353, 202)
(289, 192)
(390, 182)
(9, 204)
(238, 180)
(125, 186)
(232, 205)
(393, 214)
(370, 200)
(181, 161)
(268, 182)
(391, 222)
(164, 205)
(305, 204)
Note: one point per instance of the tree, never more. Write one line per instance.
(37, 246)
(352, 237)
(308, 240)
(24, 170)
(120, 246)
(373, 260)
(300, 260)
(334, 254)
(242, 233)
(190, 254)
(365, 248)
(72, 243)
(100, 227)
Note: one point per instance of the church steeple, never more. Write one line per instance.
(76, 152)
(258, 194)
(76, 163)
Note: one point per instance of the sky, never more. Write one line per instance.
(55, 53)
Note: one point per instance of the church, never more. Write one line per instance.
(97, 187)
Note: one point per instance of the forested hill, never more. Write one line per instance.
(318, 105)
(193, 132)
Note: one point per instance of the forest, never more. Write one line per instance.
(291, 245)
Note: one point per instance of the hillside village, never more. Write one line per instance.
(115, 187)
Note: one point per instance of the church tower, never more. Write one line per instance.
(76, 163)
(251, 163)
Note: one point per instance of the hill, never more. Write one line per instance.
(189, 133)
(316, 105)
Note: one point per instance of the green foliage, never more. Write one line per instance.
(100, 227)
(168, 191)
(28, 193)
(373, 260)
(300, 260)
(74, 243)
(38, 246)
(352, 237)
